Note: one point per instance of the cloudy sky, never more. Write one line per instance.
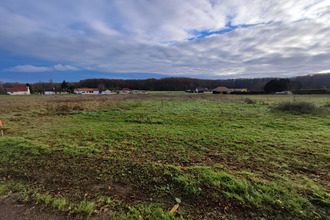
(214, 39)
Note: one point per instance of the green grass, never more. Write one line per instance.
(147, 212)
(213, 152)
(59, 203)
(85, 208)
(44, 199)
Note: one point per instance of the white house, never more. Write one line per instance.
(106, 92)
(49, 93)
(201, 90)
(19, 90)
(81, 91)
(283, 93)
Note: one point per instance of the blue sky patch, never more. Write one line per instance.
(228, 28)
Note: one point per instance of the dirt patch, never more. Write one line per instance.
(11, 209)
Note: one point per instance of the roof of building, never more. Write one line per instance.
(126, 89)
(19, 89)
(86, 89)
(222, 89)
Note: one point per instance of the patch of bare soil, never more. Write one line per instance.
(11, 209)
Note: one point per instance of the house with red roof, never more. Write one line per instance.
(221, 89)
(125, 91)
(90, 91)
(19, 90)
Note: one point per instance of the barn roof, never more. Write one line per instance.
(86, 89)
(19, 89)
(222, 89)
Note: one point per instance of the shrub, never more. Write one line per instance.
(85, 208)
(247, 93)
(147, 212)
(59, 203)
(63, 108)
(238, 93)
(191, 183)
(297, 107)
(249, 101)
(3, 189)
(311, 91)
(78, 108)
(43, 199)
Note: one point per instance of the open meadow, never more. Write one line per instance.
(137, 156)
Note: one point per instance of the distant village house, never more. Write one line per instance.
(125, 91)
(201, 90)
(19, 90)
(106, 92)
(283, 93)
(225, 90)
(221, 89)
(89, 91)
(49, 93)
(55, 92)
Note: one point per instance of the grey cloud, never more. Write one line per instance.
(129, 36)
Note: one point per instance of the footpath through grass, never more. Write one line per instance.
(136, 156)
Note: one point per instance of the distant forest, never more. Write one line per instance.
(317, 81)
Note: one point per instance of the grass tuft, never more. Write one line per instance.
(85, 208)
(59, 203)
(43, 199)
(249, 101)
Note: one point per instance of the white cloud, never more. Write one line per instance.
(28, 68)
(61, 67)
(31, 68)
(324, 71)
(286, 36)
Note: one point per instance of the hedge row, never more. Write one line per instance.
(311, 91)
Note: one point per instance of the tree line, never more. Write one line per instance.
(317, 81)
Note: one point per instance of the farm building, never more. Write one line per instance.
(49, 93)
(221, 89)
(55, 92)
(283, 93)
(201, 90)
(225, 90)
(81, 91)
(19, 90)
(106, 92)
(125, 91)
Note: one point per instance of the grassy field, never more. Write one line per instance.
(136, 156)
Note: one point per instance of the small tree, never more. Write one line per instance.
(71, 88)
(101, 87)
(64, 85)
(277, 85)
(295, 85)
